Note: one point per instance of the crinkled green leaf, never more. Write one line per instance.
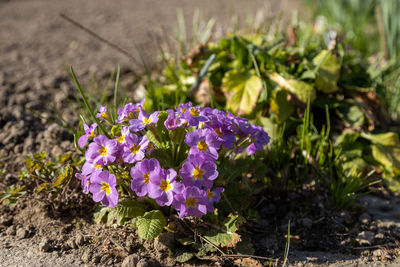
(328, 72)
(300, 89)
(183, 256)
(388, 157)
(280, 106)
(151, 224)
(130, 209)
(242, 89)
(385, 139)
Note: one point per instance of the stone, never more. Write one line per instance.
(130, 261)
(22, 233)
(148, 263)
(11, 230)
(71, 243)
(365, 218)
(44, 246)
(365, 238)
(164, 241)
(5, 220)
(86, 256)
(80, 240)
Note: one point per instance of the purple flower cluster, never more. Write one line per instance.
(189, 188)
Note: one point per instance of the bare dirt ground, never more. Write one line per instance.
(36, 44)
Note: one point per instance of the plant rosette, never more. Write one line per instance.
(171, 156)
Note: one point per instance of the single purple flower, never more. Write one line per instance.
(143, 120)
(259, 139)
(102, 112)
(203, 141)
(134, 148)
(194, 115)
(221, 126)
(213, 197)
(85, 182)
(129, 111)
(90, 167)
(183, 107)
(164, 187)
(142, 173)
(174, 120)
(89, 133)
(192, 202)
(198, 170)
(102, 151)
(102, 187)
(124, 132)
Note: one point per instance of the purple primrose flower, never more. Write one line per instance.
(102, 187)
(134, 148)
(213, 196)
(164, 187)
(102, 151)
(129, 111)
(142, 173)
(174, 120)
(102, 112)
(143, 120)
(89, 133)
(198, 170)
(203, 141)
(192, 202)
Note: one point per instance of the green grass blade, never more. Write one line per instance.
(87, 104)
(116, 93)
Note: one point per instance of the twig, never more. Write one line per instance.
(287, 246)
(245, 256)
(101, 39)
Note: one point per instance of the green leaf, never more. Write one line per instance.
(352, 114)
(228, 236)
(242, 89)
(151, 224)
(280, 106)
(183, 256)
(300, 89)
(385, 139)
(328, 72)
(388, 157)
(130, 209)
(101, 215)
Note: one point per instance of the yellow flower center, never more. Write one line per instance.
(202, 146)
(146, 178)
(91, 134)
(103, 151)
(165, 186)
(106, 188)
(197, 173)
(104, 115)
(135, 148)
(183, 110)
(121, 139)
(194, 112)
(97, 166)
(146, 121)
(218, 132)
(190, 202)
(209, 194)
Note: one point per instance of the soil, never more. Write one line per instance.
(35, 46)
